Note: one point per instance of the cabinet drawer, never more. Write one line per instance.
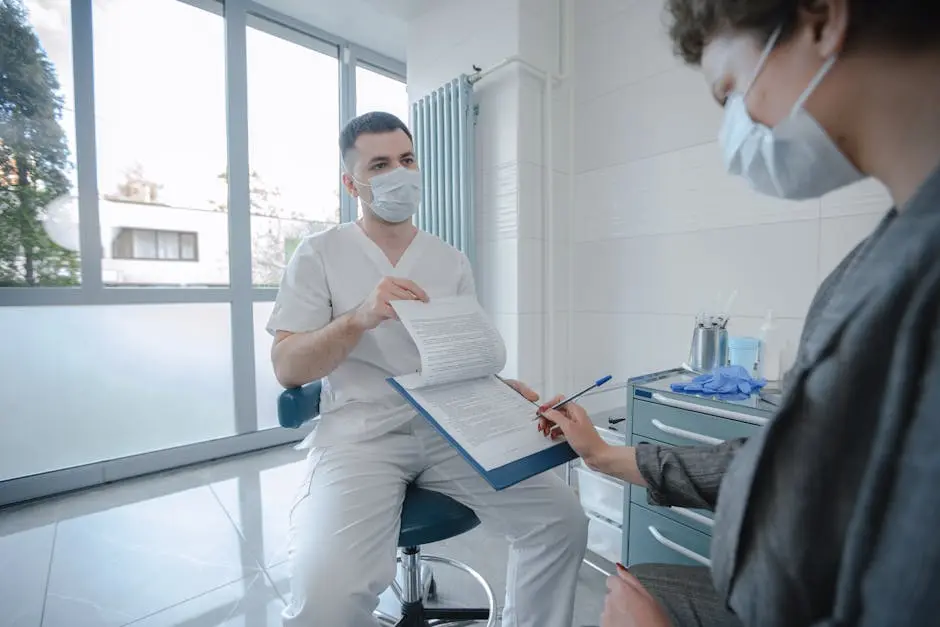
(700, 519)
(655, 539)
(600, 494)
(682, 427)
(604, 538)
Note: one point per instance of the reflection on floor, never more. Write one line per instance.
(197, 547)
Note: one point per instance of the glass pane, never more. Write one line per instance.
(377, 92)
(267, 388)
(168, 245)
(125, 379)
(38, 209)
(145, 245)
(188, 246)
(123, 246)
(293, 128)
(160, 107)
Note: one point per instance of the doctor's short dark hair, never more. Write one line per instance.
(903, 25)
(365, 124)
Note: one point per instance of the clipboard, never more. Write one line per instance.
(508, 474)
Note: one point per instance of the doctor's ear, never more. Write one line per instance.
(827, 23)
(350, 186)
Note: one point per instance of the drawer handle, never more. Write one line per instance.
(678, 548)
(683, 433)
(603, 521)
(711, 411)
(693, 515)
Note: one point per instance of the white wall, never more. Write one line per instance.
(658, 230)
(661, 229)
(446, 41)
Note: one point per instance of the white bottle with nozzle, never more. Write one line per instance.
(768, 365)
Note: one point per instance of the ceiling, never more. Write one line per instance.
(381, 25)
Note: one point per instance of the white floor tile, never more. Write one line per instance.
(186, 548)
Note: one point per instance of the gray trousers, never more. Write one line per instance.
(687, 594)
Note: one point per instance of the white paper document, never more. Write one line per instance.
(459, 391)
(492, 422)
(455, 339)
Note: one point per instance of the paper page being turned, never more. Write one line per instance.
(455, 339)
(487, 418)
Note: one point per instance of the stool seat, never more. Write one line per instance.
(428, 517)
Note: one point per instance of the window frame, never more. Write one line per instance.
(240, 294)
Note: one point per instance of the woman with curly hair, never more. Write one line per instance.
(828, 518)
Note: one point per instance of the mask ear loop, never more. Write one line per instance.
(358, 198)
(352, 176)
(762, 61)
(813, 84)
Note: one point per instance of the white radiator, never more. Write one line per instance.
(442, 123)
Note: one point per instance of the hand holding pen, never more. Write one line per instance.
(574, 422)
(558, 403)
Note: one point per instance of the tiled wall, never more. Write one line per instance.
(661, 231)
(657, 229)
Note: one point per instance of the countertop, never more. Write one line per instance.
(661, 382)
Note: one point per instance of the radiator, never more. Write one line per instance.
(442, 123)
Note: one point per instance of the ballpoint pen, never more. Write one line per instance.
(576, 396)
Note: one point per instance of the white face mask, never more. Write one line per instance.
(395, 194)
(796, 159)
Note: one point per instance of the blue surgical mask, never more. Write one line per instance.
(395, 194)
(796, 159)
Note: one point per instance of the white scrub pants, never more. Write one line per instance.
(344, 530)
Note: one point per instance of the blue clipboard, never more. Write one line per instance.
(503, 476)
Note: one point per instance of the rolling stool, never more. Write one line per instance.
(426, 517)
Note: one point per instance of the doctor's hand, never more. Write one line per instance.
(572, 421)
(628, 604)
(377, 308)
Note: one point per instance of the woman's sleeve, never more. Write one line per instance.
(685, 476)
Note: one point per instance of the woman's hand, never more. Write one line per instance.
(572, 421)
(628, 604)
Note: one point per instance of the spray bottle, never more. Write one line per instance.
(768, 362)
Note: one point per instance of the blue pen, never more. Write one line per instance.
(575, 397)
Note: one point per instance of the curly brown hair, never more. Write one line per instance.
(908, 25)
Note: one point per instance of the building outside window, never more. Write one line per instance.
(150, 244)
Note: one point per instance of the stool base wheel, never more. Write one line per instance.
(413, 611)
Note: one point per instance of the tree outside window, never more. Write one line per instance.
(34, 157)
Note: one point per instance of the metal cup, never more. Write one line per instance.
(709, 348)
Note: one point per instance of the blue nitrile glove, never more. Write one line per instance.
(730, 383)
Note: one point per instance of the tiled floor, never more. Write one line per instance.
(196, 547)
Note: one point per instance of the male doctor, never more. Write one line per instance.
(333, 321)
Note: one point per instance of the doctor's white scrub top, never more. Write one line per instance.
(332, 273)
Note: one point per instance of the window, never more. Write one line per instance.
(161, 139)
(293, 126)
(150, 81)
(290, 245)
(376, 91)
(171, 363)
(149, 244)
(38, 214)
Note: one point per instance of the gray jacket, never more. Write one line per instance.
(831, 516)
